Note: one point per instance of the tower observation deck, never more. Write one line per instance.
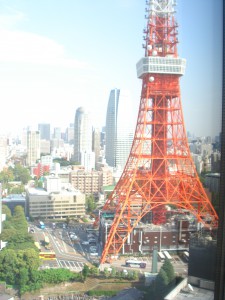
(159, 172)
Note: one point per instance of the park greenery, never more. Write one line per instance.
(20, 263)
(18, 174)
(19, 260)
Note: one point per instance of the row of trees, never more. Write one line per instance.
(108, 273)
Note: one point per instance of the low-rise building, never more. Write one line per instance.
(54, 205)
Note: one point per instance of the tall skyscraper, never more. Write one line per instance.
(96, 146)
(57, 133)
(82, 136)
(119, 133)
(33, 147)
(44, 129)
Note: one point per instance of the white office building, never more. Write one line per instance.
(119, 129)
(83, 138)
(33, 147)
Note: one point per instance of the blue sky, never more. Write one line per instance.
(58, 55)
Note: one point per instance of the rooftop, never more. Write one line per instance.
(196, 294)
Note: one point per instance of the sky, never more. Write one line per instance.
(56, 56)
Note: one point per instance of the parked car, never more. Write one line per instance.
(85, 243)
(93, 248)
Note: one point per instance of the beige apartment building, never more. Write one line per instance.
(53, 205)
(90, 182)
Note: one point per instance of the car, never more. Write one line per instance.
(90, 235)
(93, 249)
(94, 253)
(91, 240)
(85, 243)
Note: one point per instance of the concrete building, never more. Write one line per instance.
(90, 182)
(87, 160)
(57, 133)
(119, 134)
(212, 182)
(96, 144)
(33, 147)
(13, 200)
(173, 236)
(45, 133)
(47, 160)
(52, 184)
(82, 134)
(51, 205)
(215, 161)
(45, 147)
(70, 134)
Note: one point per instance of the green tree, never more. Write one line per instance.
(161, 284)
(106, 272)
(113, 272)
(6, 211)
(21, 174)
(16, 189)
(169, 270)
(8, 266)
(90, 203)
(94, 271)
(85, 272)
(6, 175)
(22, 279)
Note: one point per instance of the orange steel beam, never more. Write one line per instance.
(159, 170)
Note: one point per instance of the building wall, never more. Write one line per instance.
(44, 129)
(33, 147)
(145, 237)
(45, 147)
(82, 134)
(52, 184)
(86, 182)
(56, 205)
(119, 134)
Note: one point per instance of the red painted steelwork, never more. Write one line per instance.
(159, 171)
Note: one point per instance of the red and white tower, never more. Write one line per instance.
(159, 171)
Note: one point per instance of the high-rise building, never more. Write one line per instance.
(96, 144)
(44, 129)
(119, 134)
(33, 147)
(70, 134)
(57, 133)
(82, 134)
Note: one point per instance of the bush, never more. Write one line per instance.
(102, 293)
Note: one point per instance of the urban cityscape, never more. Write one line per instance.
(127, 209)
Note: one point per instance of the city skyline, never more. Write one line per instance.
(53, 61)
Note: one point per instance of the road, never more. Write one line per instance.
(72, 254)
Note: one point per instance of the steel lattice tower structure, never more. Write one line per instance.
(159, 170)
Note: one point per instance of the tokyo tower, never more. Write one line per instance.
(159, 171)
